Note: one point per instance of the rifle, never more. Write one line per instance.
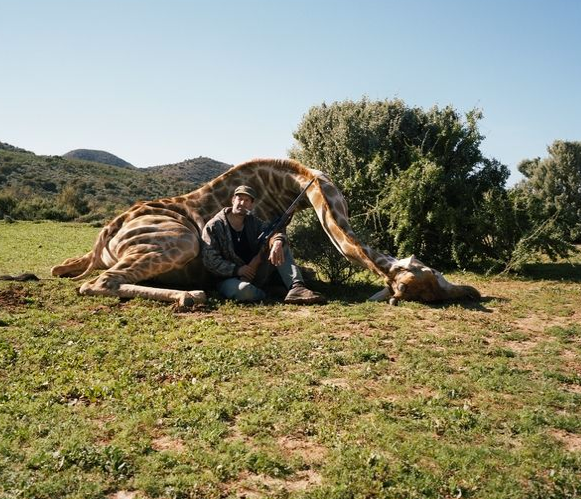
(275, 226)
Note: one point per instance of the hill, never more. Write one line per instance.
(198, 170)
(54, 187)
(97, 157)
(8, 147)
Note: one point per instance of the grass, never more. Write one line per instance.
(101, 398)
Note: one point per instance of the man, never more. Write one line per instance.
(230, 249)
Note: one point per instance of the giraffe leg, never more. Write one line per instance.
(184, 299)
(120, 281)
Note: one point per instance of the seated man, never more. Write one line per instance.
(230, 245)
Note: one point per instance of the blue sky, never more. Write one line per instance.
(161, 81)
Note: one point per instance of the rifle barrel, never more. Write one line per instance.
(280, 221)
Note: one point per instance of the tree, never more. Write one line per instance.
(416, 181)
(552, 187)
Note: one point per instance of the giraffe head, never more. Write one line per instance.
(410, 279)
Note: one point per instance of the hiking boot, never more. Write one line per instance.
(300, 295)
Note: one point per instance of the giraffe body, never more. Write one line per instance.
(159, 242)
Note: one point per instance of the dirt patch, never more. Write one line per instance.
(539, 323)
(570, 441)
(127, 494)
(165, 442)
(521, 347)
(310, 452)
(254, 486)
(336, 382)
(257, 486)
(105, 434)
(14, 297)
(573, 388)
(300, 312)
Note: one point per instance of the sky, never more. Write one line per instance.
(160, 81)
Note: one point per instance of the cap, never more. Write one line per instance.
(245, 189)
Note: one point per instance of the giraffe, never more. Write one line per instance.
(153, 250)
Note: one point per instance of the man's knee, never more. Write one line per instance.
(247, 292)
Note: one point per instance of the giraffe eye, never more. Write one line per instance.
(401, 286)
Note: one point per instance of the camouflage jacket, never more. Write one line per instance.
(218, 248)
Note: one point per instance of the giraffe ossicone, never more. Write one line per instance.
(153, 250)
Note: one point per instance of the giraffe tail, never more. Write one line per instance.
(73, 267)
(80, 267)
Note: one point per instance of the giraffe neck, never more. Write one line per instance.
(278, 183)
(332, 212)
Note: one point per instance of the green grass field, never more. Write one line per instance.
(101, 398)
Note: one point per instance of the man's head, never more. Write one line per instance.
(243, 199)
(245, 189)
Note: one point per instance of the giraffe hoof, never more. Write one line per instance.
(186, 301)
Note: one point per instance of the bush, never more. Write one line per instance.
(7, 204)
(416, 181)
(311, 244)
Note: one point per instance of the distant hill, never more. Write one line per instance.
(198, 170)
(8, 147)
(98, 157)
(34, 186)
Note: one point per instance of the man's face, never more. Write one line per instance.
(242, 204)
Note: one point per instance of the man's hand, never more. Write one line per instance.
(276, 256)
(247, 272)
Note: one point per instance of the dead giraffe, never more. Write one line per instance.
(160, 241)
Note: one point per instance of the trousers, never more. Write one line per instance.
(235, 288)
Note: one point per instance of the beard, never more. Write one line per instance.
(241, 210)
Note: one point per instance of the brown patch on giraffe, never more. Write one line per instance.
(223, 192)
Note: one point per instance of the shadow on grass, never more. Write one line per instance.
(348, 293)
(562, 271)
(345, 293)
(476, 305)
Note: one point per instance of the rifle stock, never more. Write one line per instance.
(272, 228)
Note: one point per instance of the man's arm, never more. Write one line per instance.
(212, 256)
